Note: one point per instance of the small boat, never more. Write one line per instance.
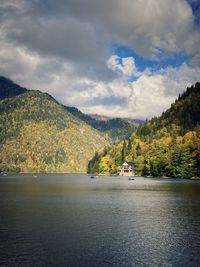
(94, 176)
(131, 178)
(35, 176)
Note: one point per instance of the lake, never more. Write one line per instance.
(72, 220)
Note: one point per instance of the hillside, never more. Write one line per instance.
(38, 134)
(135, 122)
(115, 128)
(184, 113)
(165, 146)
(9, 88)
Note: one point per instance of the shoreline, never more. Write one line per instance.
(4, 174)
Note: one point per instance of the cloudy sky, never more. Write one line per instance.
(127, 58)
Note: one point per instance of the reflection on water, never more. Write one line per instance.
(72, 220)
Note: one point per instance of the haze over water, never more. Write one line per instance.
(72, 220)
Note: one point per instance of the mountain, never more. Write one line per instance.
(39, 134)
(184, 113)
(135, 122)
(100, 117)
(168, 145)
(115, 128)
(9, 88)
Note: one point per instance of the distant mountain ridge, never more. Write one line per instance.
(106, 118)
(116, 128)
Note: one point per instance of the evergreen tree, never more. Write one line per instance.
(123, 153)
(129, 145)
(138, 150)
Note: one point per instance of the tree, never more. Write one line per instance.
(123, 153)
(138, 150)
(93, 164)
(129, 145)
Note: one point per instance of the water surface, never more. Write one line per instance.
(72, 220)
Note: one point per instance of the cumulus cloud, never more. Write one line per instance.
(147, 25)
(65, 49)
(150, 94)
(125, 66)
(78, 30)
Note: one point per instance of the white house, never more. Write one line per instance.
(126, 169)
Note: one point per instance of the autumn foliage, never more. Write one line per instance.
(37, 134)
(165, 146)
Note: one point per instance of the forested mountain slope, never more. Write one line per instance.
(165, 146)
(116, 128)
(183, 113)
(39, 134)
(9, 88)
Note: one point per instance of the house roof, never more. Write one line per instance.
(129, 163)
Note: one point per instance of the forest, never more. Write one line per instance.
(37, 134)
(115, 128)
(165, 146)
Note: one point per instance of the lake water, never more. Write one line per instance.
(72, 220)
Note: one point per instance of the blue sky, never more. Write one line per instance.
(111, 57)
(165, 60)
(195, 5)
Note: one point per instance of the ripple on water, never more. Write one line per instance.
(71, 220)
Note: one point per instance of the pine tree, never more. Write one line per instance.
(123, 153)
(138, 150)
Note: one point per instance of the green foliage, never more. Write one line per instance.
(39, 134)
(124, 151)
(116, 128)
(10, 89)
(4, 168)
(165, 146)
(93, 164)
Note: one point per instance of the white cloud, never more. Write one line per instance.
(151, 94)
(64, 49)
(146, 25)
(125, 66)
(78, 30)
(148, 96)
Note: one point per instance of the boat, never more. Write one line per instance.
(94, 176)
(131, 178)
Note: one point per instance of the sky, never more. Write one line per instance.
(129, 58)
